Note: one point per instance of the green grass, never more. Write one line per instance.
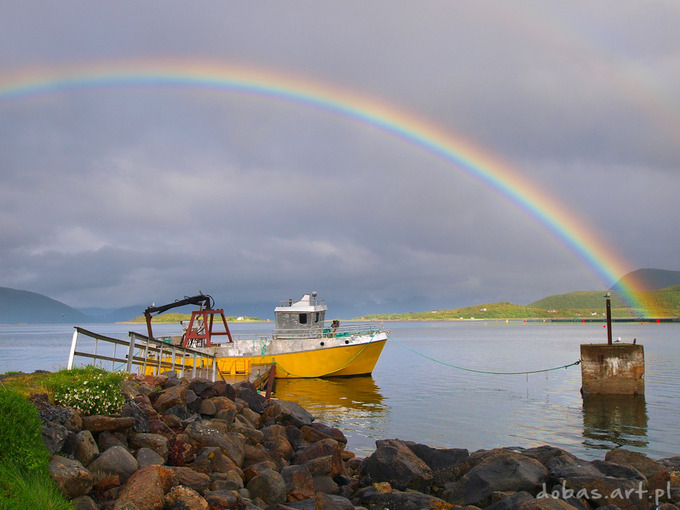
(89, 390)
(576, 305)
(24, 475)
(20, 491)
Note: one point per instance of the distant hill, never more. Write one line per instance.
(22, 306)
(648, 279)
(582, 305)
(593, 300)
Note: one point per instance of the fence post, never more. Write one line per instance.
(160, 360)
(72, 354)
(131, 352)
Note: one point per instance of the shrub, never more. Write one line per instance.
(92, 392)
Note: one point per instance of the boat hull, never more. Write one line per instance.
(335, 361)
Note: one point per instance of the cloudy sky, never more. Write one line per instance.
(123, 194)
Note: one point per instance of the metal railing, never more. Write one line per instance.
(149, 355)
(362, 328)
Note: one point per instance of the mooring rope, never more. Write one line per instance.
(485, 371)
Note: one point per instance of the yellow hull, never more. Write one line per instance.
(345, 360)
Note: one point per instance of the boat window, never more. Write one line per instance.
(316, 317)
(303, 318)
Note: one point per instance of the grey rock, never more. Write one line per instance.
(54, 436)
(116, 461)
(286, 413)
(156, 442)
(84, 503)
(268, 486)
(504, 471)
(148, 457)
(86, 449)
(233, 445)
(249, 395)
(326, 484)
(446, 463)
(395, 499)
(394, 462)
(183, 498)
(70, 476)
(325, 501)
(131, 409)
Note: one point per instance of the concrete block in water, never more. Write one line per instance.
(612, 369)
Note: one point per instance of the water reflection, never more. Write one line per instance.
(614, 420)
(353, 404)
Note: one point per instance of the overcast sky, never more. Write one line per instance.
(125, 195)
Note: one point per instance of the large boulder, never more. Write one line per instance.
(269, 486)
(656, 473)
(181, 498)
(446, 463)
(116, 461)
(70, 476)
(286, 413)
(54, 436)
(156, 442)
(275, 440)
(100, 423)
(371, 497)
(612, 484)
(170, 397)
(324, 501)
(248, 394)
(232, 444)
(503, 471)
(190, 478)
(133, 410)
(85, 447)
(144, 490)
(525, 501)
(148, 457)
(299, 482)
(394, 462)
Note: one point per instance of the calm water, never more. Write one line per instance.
(416, 398)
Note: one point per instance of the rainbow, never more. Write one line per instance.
(563, 223)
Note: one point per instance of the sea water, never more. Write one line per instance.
(441, 383)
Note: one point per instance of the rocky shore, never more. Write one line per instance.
(180, 444)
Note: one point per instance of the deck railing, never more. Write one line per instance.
(148, 355)
(362, 328)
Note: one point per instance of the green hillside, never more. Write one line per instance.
(575, 305)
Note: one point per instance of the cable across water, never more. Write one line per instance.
(485, 371)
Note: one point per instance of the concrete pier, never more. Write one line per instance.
(612, 369)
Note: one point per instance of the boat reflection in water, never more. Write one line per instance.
(614, 420)
(352, 404)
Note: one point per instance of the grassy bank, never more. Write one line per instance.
(24, 465)
(24, 477)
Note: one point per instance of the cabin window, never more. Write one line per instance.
(303, 318)
(316, 317)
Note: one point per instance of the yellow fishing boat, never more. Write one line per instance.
(301, 346)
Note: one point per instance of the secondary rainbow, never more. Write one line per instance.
(563, 223)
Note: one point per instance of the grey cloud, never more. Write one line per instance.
(119, 195)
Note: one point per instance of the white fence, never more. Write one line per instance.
(147, 355)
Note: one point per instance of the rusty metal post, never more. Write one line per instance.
(609, 320)
(270, 381)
